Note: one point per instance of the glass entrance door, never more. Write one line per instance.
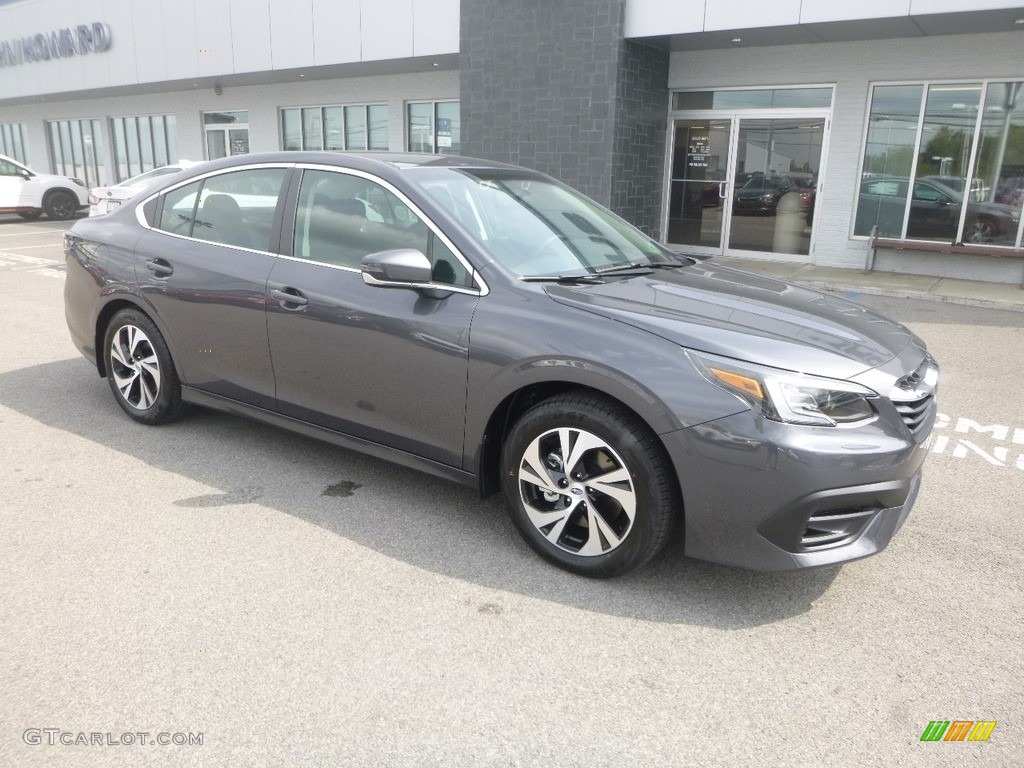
(745, 185)
(699, 184)
(227, 133)
(776, 178)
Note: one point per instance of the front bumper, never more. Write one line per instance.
(768, 496)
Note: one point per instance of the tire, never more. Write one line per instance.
(60, 205)
(30, 215)
(981, 230)
(140, 370)
(614, 509)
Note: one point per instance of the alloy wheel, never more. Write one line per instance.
(577, 491)
(135, 367)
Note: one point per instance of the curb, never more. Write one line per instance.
(909, 294)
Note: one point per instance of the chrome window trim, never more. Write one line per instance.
(354, 271)
(140, 217)
(482, 291)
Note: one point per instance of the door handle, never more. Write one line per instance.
(288, 296)
(721, 189)
(159, 267)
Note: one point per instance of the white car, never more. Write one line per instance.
(30, 194)
(105, 199)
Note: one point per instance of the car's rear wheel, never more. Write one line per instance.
(588, 484)
(60, 205)
(981, 230)
(30, 215)
(140, 370)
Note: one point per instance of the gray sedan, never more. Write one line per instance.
(487, 324)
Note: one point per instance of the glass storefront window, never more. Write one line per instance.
(75, 149)
(888, 154)
(352, 127)
(13, 142)
(421, 137)
(355, 127)
(434, 127)
(949, 118)
(291, 130)
(755, 98)
(143, 143)
(918, 180)
(998, 174)
(378, 119)
(222, 118)
(334, 127)
(312, 137)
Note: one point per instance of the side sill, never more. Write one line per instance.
(219, 403)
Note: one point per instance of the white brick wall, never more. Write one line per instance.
(852, 68)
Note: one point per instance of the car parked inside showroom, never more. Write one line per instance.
(935, 211)
(31, 194)
(760, 193)
(492, 326)
(104, 199)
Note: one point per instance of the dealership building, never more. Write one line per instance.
(887, 133)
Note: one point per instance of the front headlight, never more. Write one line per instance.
(780, 395)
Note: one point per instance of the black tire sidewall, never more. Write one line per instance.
(642, 458)
(58, 195)
(168, 401)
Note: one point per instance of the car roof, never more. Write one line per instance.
(364, 160)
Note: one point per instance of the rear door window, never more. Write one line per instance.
(235, 208)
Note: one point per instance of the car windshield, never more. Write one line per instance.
(535, 226)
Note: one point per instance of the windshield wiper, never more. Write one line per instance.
(588, 278)
(626, 269)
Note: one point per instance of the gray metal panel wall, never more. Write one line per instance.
(555, 86)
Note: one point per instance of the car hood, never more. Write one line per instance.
(50, 178)
(745, 316)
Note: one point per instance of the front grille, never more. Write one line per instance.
(914, 412)
(835, 527)
(914, 394)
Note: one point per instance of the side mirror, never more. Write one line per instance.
(26, 175)
(401, 268)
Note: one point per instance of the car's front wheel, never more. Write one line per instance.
(140, 370)
(588, 484)
(60, 205)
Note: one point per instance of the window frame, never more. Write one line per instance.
(288, 229)
(976, 136)
(365, 106)
(120, 127)
(406, 127)
(18, 147)
(91, 175)
(284, 195)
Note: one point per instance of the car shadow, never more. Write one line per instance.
(414, 518)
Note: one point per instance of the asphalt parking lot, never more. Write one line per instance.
(286, 602)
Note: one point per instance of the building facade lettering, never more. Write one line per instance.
(58, 44)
